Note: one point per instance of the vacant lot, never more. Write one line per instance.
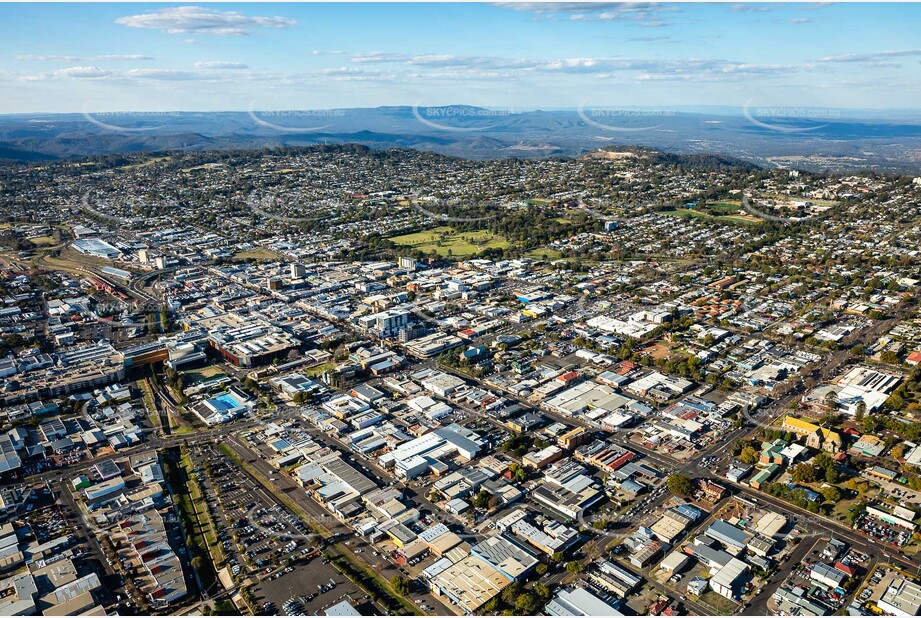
(257, 253)
(448, 242)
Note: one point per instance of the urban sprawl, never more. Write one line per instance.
(338, 381)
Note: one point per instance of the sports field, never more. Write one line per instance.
(448, 242)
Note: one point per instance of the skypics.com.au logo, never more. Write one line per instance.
(785, 119)
(621, 120)
(295, 120)
(128, 122)
(460, 118)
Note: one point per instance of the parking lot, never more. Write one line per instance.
(260, 539)
(883, 532)
(308, 589)
(833, 598)
(268, 545)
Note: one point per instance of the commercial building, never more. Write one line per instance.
(828, 575)
(96, 248)
(729, 580)
(795, 603)
(567, 490)
(386, 324)
(433, 345)
(507, 556)
(901, 598)
(579, 602)
(550, 538)
(732, 537)
(414, 457)
(470, 583)
(78, 369)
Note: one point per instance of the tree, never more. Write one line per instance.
(831, 494)
(679, 485)
(541, 569)
(400, 585)
(481, 500)
(805, 473)
(543, 592)
(557, 557)
(519, 474)
(510, 593)
(749, 456)
(889, 357)
(861, 410)
(526, 604)
(574, 567)
(831, 399)
(197, 563)
(301, 397)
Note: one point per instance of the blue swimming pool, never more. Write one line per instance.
(224, 402)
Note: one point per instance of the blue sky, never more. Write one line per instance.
(109, 57)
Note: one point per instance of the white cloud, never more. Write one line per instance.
(872, 56)
(603, 11)
(751, 8)
(47, 58)
(121, 57)
(343, 71)
(603, 67)
(202, 20)
(83, 72)
(220, 65)
(38, 77)
(357, 75)
(163, 74)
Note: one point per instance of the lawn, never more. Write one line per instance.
(448, 242)
(197, 376)
(257, 253)
(185, 496)
(320, 369)
(152, 413)
(659, 351)
(743, 219)
(543, 253)
(721, 605)
(725, 206)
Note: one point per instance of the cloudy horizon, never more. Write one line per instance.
(516, 56)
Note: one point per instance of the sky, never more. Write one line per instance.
(522, 56)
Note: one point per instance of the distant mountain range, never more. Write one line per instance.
(836, 141)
